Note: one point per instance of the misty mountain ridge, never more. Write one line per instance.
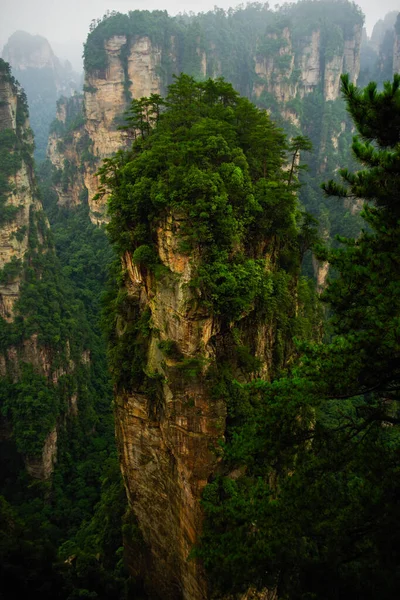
(44, 77)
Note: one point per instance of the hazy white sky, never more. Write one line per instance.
(65, 23)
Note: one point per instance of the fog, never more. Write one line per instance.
(65, 23)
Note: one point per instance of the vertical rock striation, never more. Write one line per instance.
(286, 66)
(17, 188)
(396, 46)
(168, 441)
(131, 73)
(168, 432)
(36, 356)
(200, 278)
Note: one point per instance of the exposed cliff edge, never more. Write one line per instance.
(17, 195)
(135, 55)
(86, 130)
(36, 356)
(200, 278)
(396, 46)
(300, 66)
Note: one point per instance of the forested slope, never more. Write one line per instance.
(210, 237)
(314, 511)
(287, 61)
(57, 435)
(258, 445)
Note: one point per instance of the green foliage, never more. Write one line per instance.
(10, 271)
(214, 162)
(10, 163)
(56, 324)
(230, 39)
(314, 509)
(142, 115)
(20, 234)
(73, 116)
(145, 256)
(33, 407)
(15, 146)
(128, 333)
(189, 368)
(270, 44)
(25, 555)
(306, 14)
(323, 122)
(196, 148)
(57, 319)
(170, 349)
(136, 23)
(47, 312)
(69, 173)
(367, 265)
(94, 555)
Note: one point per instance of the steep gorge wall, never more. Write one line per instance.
(105, 99)
(17, 192)
(284, 67)
(396, 46)
(201, 293)
(291, 72)
(169, 450)
(168, 436)
(32, 365)
(380, 53)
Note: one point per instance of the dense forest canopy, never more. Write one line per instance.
(239, 44)
(319, 436)
(304, 498)
(314, 513)
(211, 157)
(49, 385)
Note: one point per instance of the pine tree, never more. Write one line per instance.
(315, 512)
(365, 296)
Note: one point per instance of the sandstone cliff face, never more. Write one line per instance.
(42, 467)
(168, 438)
(169, 445)
(14, 232)
(106, 97)
(299, 80)
(21, 213)
(396, 48)
(305, 67)
(290, 70)
(63, 154)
